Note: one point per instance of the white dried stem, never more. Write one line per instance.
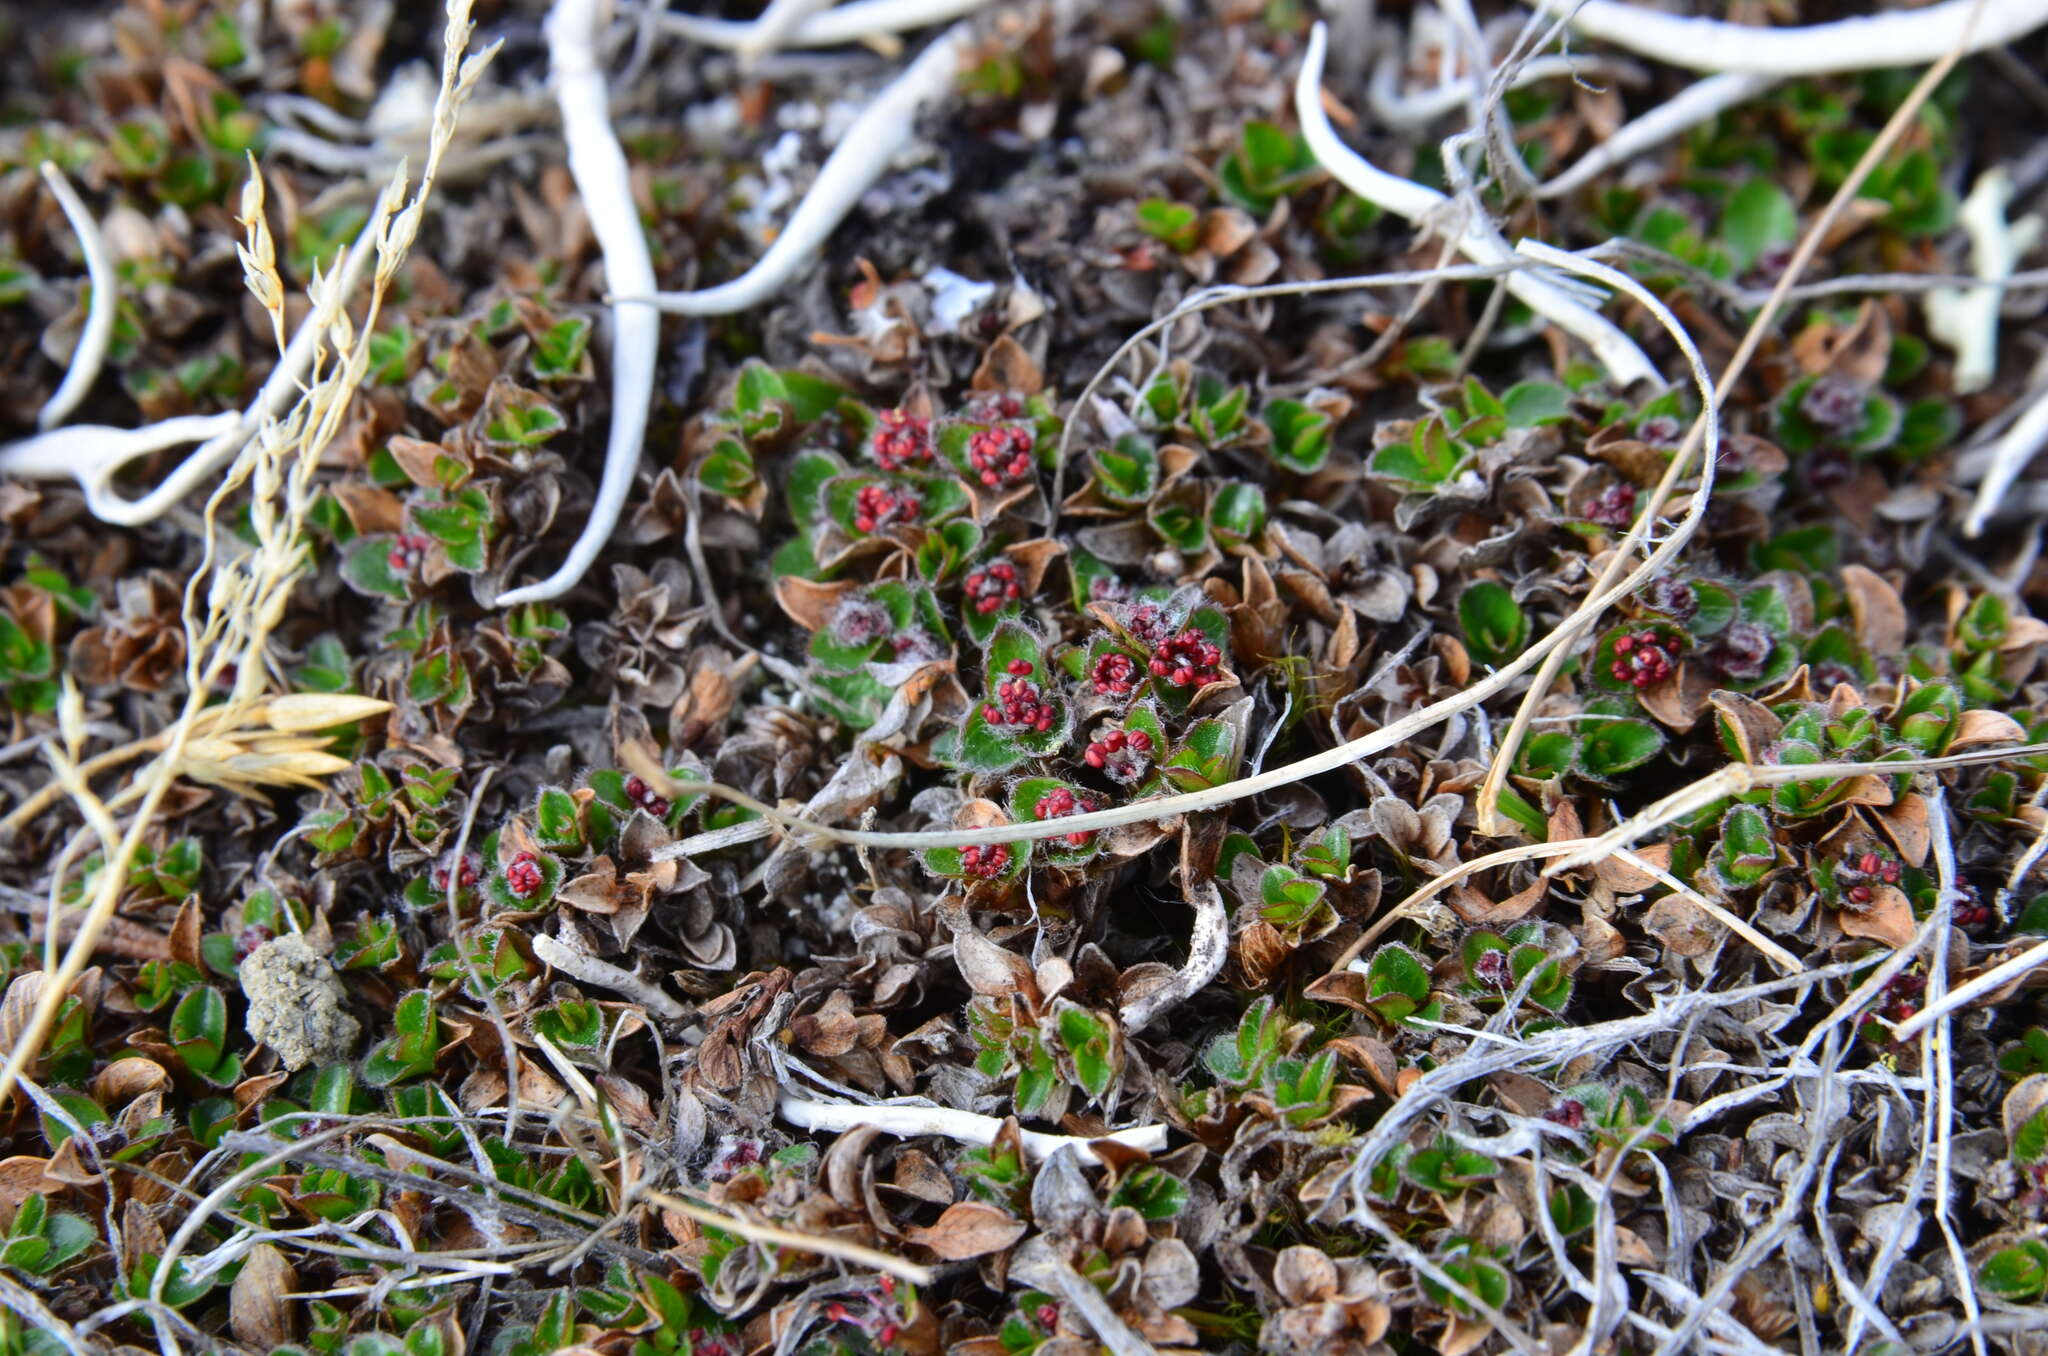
(604, 975)
(771, 31)
(598, 166)
(2009, 456)
(1967, 319)
(1736, 778)
(1701, 100)
(862, 21)
(1405, 111)
(1208, 948)
(93, 454)
(907, 1122)
(1963, 995)
(90, 352)
(1937, 1048)
(1898, 38)
(1624, 361)
(860, 159)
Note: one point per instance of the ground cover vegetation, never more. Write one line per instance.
(1020, 680)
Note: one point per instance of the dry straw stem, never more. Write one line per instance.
(860, 159)
(1962, 996)
(821, 1245)
(1626, 364)
(1899, 38)
(599, 167)
(1705, 429)
(91, 350)
(907, 1122)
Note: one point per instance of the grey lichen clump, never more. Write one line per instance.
(295, 1003)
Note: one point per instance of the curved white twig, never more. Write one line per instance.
(965, 1126)
(599, 168)
(857, 22)
(91, 349)
(1700, 100)
(2009, 457)
(883, 128)
(1900, 38)
(771, 31)
(92, 454)
(1624, 361)
(1406, 112)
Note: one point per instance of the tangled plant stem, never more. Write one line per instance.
(1626, 363)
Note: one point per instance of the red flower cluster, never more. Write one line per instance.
(1020, 704)
(990, 406)
(877, 506)
(523, 876)
(902, 439)
(1568, 1112)
(1901, 1000)
(1000, 455)
(407, 552)
(642, 795)
(1147, 625)
(1614, 506)
(1058, 803)
(1855, 876)
(465, 878)
(1122, 754)
(985, 863)
(993, 586)
(1114, 674)
(1187, 660)
(1642, 659)
(1492, 968)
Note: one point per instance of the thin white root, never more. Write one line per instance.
(861, 21)
(1701, 100)
(2009, 457)
(964, 1126)
(863, 154)
(1992, 980)
(1406, 112)
(93, 454)
(599, 169)
(1626, 364)
(91, 349)
(1966, 319)
(604, 975)
(1901, 38)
